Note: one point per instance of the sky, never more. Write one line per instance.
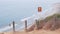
(18, 9)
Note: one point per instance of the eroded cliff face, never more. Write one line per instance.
(53, 23)
(50, 23)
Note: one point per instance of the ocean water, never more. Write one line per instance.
(14, 10)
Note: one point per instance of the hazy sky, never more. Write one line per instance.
(18, 9)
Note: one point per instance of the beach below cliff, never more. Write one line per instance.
(34, 32)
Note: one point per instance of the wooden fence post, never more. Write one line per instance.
(13, 26)
(26, 25)
(37, 24)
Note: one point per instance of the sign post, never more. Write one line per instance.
(36, 20)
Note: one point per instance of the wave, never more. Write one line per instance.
(7, 28)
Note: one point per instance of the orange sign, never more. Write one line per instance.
(39, 9)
